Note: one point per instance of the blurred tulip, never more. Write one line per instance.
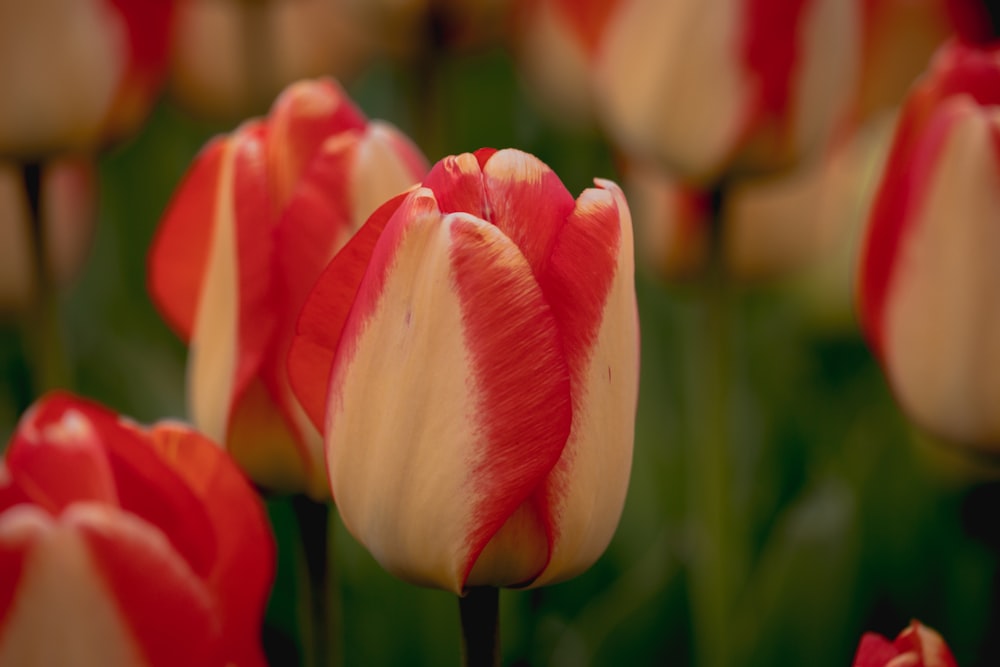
(77, 74)
(67, 200)
(230, 58)
(929, 268)
(122, 545)
(916, 646)
(255, 220)
(715, 87)
(474, 353)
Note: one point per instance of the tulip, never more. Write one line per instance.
(916, 646)
(230, 58)
(473, 354)
(67, 201)
(713, 87)
(929, 265)
(77, 74)
(252, 225)
(122, 545)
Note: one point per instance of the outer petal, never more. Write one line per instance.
(241, 575)
(85, 581)
(481, 432)
(874, 651)
(323, 316)
(926, 644)
(178, 259)
(591, 287)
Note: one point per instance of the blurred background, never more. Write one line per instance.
(819, 513)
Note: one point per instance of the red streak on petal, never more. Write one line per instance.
(588, 18)
(179, 254)
(522, 381)
(771, 53)
(874, 651)
(168, 610)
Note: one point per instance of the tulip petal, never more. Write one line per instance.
(56, 458)
(179, 256)
(54, 607)
(874, 651)
(241, 575)
(125, 550)
(527, 201)
(455, 295)
(590, 285)
(322, 319)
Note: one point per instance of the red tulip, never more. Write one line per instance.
(916, 646)
(929, 269)
(121, 545)
(254, 222)
(76, 74)
(474, 354)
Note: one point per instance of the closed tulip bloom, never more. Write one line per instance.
(710, 87)
(252, 225)
(473, 353)
(929, 268)
(916, 646)
(77, 74)
(122, 545)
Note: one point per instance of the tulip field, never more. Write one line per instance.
(500, 332)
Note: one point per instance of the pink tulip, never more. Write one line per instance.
(473, 354)
(77, 74)
(254, 222)
(916, 646)
(929, 268)
(121, 545)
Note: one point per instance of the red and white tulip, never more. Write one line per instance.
(473, 353)
(251, 227)
(930, 264)
(916, 646)
(121, 545)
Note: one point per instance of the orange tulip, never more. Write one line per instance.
(121, 545)
(254, 222)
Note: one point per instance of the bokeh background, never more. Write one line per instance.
(844, 518)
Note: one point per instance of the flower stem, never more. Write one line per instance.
(41, 331)
(479, 609)
(714, 576)
(319, 620)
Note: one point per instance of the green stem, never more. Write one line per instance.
(479, 609)
(714, 571)
(320, 622)
(41, 330)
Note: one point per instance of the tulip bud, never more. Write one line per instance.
(254, 222)
(77, 74)
(929, 268)
(67, 202)
(473, 353)
(710, 87)
(916, 646)
(121, 545)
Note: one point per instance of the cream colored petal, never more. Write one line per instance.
(670, 82)
(942, 318)
(588, 485)
(212, 349)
